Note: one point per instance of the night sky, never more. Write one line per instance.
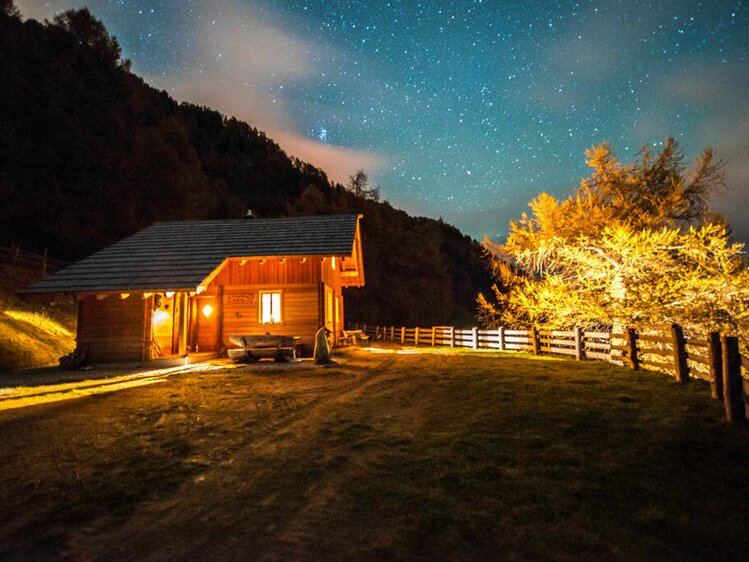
(460, 109)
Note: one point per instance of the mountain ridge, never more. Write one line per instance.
(90, 153)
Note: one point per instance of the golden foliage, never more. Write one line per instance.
(634, 243)
(693, 277)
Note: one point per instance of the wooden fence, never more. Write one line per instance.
(712, 357)
(45, 264)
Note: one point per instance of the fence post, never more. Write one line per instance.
(632, 345)
(732, 384)
(501, 337)
(579, 344)
(452, 336)
(716, 365)
(534, 340)
(475, 334)
(434, 336)
(416, 335)
(680, 354)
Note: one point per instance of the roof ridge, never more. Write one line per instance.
(255, 219)
(180, 253)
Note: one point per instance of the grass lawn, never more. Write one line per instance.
(31, 334)
(436, 454)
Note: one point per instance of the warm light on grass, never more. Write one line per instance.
(456, 455)
(39, 321)
(30, 339)
(32, 335)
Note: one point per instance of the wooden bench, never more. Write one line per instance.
(354, 337)
(253, 348)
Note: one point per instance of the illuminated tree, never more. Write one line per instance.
(695, 277)
(658, 191)
(635, 243)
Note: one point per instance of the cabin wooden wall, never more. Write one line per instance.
(299, 283)
(299, 312)
(270, 271)
(331, 278)
(206, 328)
(114, 329)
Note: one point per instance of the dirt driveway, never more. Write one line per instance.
(385, 456)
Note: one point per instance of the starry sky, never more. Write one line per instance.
(462, 109)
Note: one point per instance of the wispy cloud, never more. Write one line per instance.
(240, 62)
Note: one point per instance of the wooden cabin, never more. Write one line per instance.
(181, 288)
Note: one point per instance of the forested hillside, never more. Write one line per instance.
(89, 153)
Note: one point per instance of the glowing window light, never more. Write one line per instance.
(169, 294)
(332, 262)
(160, 316)
(270, 308)
(207, 310)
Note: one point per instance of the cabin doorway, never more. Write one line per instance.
(204, 323)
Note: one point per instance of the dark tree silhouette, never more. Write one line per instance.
(358, 184)
(91, 33)
(89, 154)
(8, 9)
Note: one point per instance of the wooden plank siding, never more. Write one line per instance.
(299, 312)
(332, 279)
(114, 329)
(301, 281)
(214, 273)
(270, 271)
(121, 330)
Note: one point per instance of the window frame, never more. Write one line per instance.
(271, 292)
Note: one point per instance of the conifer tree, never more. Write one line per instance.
(634, 243)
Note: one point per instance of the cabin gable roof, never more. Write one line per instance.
(179, 255)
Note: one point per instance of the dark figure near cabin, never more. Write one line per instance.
(322, 348)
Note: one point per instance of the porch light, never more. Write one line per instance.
(207, 310)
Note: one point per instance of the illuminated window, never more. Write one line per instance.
(337, 310)
(270, 307)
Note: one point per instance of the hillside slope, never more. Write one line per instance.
(89, 153)
(32, 335)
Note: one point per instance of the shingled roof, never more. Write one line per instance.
(179, 255)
